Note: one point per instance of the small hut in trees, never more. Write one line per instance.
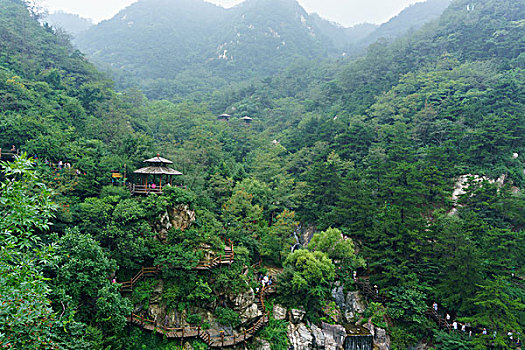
(154, 177)
(224, 117)
(247, 119)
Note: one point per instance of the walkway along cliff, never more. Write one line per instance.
(219, 340)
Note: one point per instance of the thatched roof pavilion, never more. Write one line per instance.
(151, 178)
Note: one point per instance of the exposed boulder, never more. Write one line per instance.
(334, 336)
(279, 312)
(354, 305)
(250, 313)
(318, 336)
(300, 337)
(244, 304)
(351, 305)
(381, 338)
(296, 315)
(179, 217)
(339, 296)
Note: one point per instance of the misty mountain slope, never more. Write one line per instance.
(413, 17)
(261, 37)
(72, 24)
(153, 38)
(182, 47)
(159, 39)
(343, 37)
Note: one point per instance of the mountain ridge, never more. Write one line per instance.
(160, 42)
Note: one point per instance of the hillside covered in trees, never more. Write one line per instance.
(189, 48)
(405, 166)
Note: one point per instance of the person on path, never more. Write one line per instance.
(455, 325)
(447, 317)
(484, 331)
(463, 328)
(265, 280)
(435, 306)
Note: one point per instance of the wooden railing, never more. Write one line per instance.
(8, 154)
(226, 259)
(147, 189)
(441, 321)
(143, 189)
(215, 341)
(144, 272)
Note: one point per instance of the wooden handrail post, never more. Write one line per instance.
(222, 338)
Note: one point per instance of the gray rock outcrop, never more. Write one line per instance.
(279, 312)
(300, 337)
(179, 217)
(296, 315)
(244, 304)
(351, 305)
(381, 338)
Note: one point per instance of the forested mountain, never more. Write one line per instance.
(72, 24)
(406, 165)
(411, 18)
(174, 48)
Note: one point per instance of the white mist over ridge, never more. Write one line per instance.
(344, 12)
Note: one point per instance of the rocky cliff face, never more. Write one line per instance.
(303, 335)
(179, 217)
(351, 304)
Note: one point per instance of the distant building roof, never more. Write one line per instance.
(224, 116)
(246, 118)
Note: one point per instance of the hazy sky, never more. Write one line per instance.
(345, 12)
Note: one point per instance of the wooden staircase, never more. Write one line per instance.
(144, 272)
(213, 341)
(441, 321)
(226, 259)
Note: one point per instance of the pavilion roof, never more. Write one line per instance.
(157, 170)
(158, 159)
